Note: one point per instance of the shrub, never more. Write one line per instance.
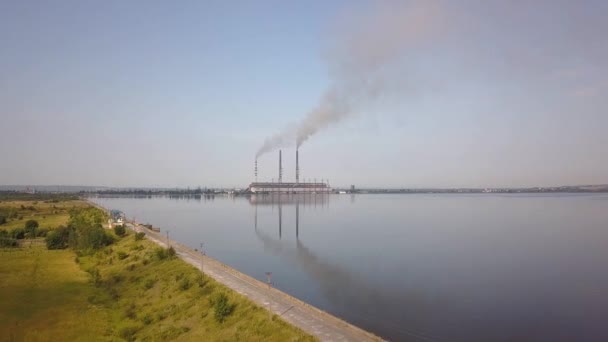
(201, 281)
(185, 284)
(89, 238)
(30, 228)
(2, 219)
(162, 253)
(221, 307)
(147, 319)
(139, 236)
(122, 255)
(95, 276)
(31, 224)
(149, 283)
(4, 233)
(7, 242)
(131, 311)
(58, 238)
(42, 232)
(18, 233)
(120, 230)
(128, 332)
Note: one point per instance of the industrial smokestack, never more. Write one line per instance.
(297, 167)
(280, 167)
(256, 169)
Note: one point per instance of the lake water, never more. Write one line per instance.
(437, 267)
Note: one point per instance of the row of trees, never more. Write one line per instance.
(31, 230)
(84, 232)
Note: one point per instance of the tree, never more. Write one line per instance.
(31, 224)
(18, 233)
(86, 231)
(221, 307)
(58, 238)
(120, 230)
(30, 228)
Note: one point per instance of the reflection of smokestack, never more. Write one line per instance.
(297, 167)
(280, 168)
(280, 220)
(297, 219)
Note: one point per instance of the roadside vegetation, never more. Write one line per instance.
(87, 283)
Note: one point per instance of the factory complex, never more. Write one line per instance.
(296, 187)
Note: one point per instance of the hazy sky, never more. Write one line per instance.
(162, 93)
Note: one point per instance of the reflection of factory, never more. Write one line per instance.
(296, 187)
(274, 199)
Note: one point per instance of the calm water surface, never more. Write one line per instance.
(414, 267)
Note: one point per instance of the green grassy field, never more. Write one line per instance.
(125, 291)
(43, 296)
(48, 214)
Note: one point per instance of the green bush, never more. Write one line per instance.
(7, 242)
(185, 284)
(139, 236)
(2, 219)
(162, 253)
(221, 307)
(58, 238)
(149, 283)
(4, 233)
(120, 230)
(147, 319)
(86, 231)
(128, 332)
(18, 233)
(89, 238)
(95, 276)
(30, 228)
(42, 232)
(31, 224)
(122, 255)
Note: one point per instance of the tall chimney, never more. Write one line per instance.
(256, 169)
(297, 167)
(280, 168)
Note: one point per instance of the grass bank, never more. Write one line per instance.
(130, 290)
(44, 296)
(49, 214)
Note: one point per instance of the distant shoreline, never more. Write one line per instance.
(91, 190)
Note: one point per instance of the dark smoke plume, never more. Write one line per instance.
(368, 43)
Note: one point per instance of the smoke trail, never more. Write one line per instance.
(368, 42)
(279, 140)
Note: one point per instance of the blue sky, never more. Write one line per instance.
(183, 94)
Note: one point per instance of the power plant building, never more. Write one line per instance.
(287, 188)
